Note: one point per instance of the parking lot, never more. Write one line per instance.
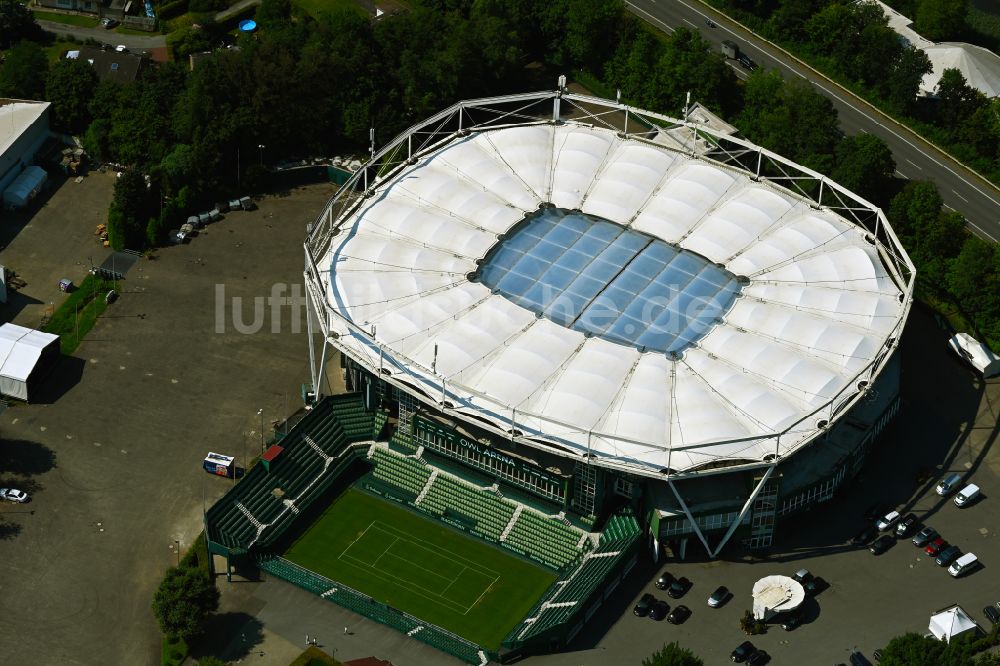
(949, 422)
(112, 450)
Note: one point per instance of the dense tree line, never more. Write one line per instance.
(318, 85)
(853, 42)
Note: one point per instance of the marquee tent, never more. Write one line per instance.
(25, 355)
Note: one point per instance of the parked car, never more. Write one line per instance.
(121, 48)
(13, 495)
(814, 586)
(865, 536)
(936, 546)
(234, 204)
(882, 544)
(858, 659)
(679, 588)
(967, 495)
(906, 525)
(679, 614)
(948, 484)
(802, 575)
(963, 565)
(664, 581)
(876, 510)
(645, 603)
(887, 521)
(719, 597)
(992, 614)
(246, 203)
(947, 556)
(792, 620)
(758, 658)
(925, 536)
(742, 652)
(108, 23)
(659, 610)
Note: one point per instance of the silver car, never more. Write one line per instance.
(13, 495)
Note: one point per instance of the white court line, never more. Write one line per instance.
(394, 540)
(357, 539)
(857, 108)
(464, 569)
(427, 545)
(483, 594)
(453, 606)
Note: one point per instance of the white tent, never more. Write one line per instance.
(975, 352)
(24, 187)
(25, 354)
(951, 622)
(776, 594)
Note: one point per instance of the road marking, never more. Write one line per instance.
(857, 108)
(919, 167)
(650, 17)
(960, 196)
(903, 174)
(690, 23)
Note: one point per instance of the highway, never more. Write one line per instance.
(915, 159)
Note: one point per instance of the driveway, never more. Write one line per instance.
(135, 42)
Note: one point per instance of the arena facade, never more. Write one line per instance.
(600, 305)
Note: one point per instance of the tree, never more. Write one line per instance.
(22, 75)
(17, 23)
(591, 27)
(974, 281)
(211, 661)
(672, 654)
(865, 166)
(70, 86)
(184, 600)
(912, 650)
(911, 209)
(128, 214)
(940, 20)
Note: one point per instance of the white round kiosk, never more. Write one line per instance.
(776, 594)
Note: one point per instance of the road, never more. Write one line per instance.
(915, 159)
(135, 42)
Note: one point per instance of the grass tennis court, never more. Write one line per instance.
(422, 567)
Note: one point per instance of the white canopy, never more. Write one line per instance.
(810, 324)
(980, 67)
(776, 594)
(951, 622)
(22, 350)
(977, 353)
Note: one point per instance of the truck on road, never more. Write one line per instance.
(732, 51)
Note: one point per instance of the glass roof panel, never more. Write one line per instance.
(600, 278)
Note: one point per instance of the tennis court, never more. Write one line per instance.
(421, 566)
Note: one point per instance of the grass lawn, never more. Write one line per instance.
(422, 567)
(79, 312)
(68, 19)
(317, 8)
(56, 49)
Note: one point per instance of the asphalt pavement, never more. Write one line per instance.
(916, 159)
(136, 42)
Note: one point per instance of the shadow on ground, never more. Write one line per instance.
(247, 635)
(64, 376)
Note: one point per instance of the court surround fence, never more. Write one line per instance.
(361, 603)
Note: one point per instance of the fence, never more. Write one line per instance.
(363, 604)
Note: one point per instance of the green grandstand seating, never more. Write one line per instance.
(490, 512)
(402, 442)
(406, 473)
(298, 466)
(357, 421)
(381, 418)
(552, 541)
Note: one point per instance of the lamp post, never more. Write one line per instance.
(260, 148)
(260, 413)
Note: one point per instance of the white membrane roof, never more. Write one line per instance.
(814, 305)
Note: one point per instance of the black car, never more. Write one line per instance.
(814, 586)
(742, 652)
(679, 614)
(678, 588)
(925, 536)
(876, 511)
(992, 614)
(791, 621)
(758, 658)
(746, 62)
(858, 659)
(947, 556)
(865, 536)
(659, 610)
(882, 544)
(906, 525)
(664, 581)
(719, 597)
(642, 608)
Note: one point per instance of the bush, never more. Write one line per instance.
(172, 10)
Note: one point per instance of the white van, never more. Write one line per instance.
(967, 494)
(963, 564)
(949, 484)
